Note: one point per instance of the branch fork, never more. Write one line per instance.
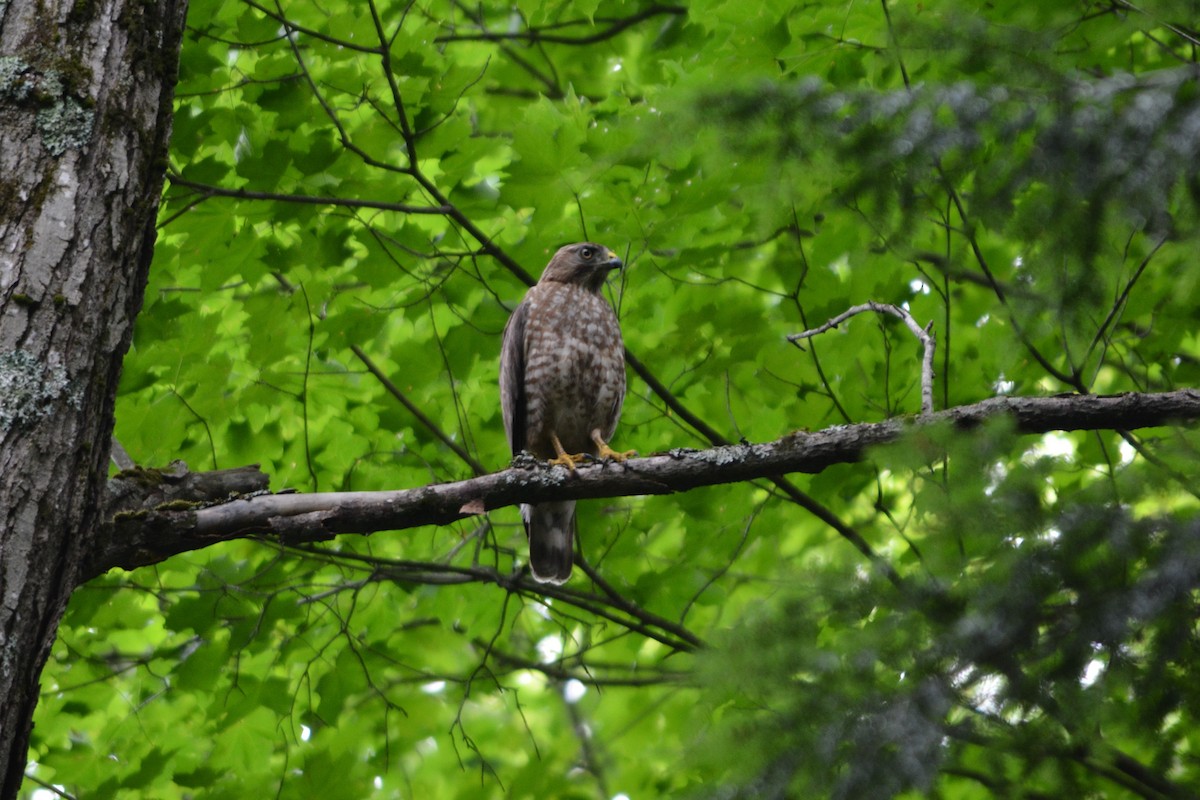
(924, 335)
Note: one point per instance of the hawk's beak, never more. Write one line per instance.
(614, 261)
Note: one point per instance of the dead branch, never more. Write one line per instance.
(928, 343)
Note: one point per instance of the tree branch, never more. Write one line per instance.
(928, 343)
(538, 34)
(207, 190)
(142, 537)
(413, 409)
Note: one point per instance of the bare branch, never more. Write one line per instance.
(424, 419)
(1071, 380)
(928, 343)
(243, 194)
(1122, 298)
(276, 15)
(615, 26)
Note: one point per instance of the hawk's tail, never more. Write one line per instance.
(551, 531)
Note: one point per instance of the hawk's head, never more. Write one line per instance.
(585, 264)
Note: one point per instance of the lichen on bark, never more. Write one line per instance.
(29, 387)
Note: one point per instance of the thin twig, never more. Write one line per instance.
(1071, 380)
(532, 35)
(292, 27)
(424, 419)
(208, 190)
(928, 342)
(49, 787)
(1121, 300)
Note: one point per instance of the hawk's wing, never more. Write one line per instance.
(512, 378)
(614, 413)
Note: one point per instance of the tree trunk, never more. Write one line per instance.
(85, 112)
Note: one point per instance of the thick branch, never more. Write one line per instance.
(150, 536)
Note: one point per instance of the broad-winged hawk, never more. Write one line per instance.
(562, 382)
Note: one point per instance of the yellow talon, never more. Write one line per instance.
(606, 452)
(567, 460)
(564, 459)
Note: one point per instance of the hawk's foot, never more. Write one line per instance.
(606, 453)
(563, 458)
(568, 460)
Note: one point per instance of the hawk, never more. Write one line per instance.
(562, 383)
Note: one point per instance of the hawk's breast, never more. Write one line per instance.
(574, 368)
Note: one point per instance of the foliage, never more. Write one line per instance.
(1060, 653)
(388, 176)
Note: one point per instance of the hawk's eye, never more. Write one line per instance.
(586, 254)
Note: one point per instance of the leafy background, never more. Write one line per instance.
(376, 183)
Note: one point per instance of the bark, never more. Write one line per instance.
(154, 532)
(85, 112)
